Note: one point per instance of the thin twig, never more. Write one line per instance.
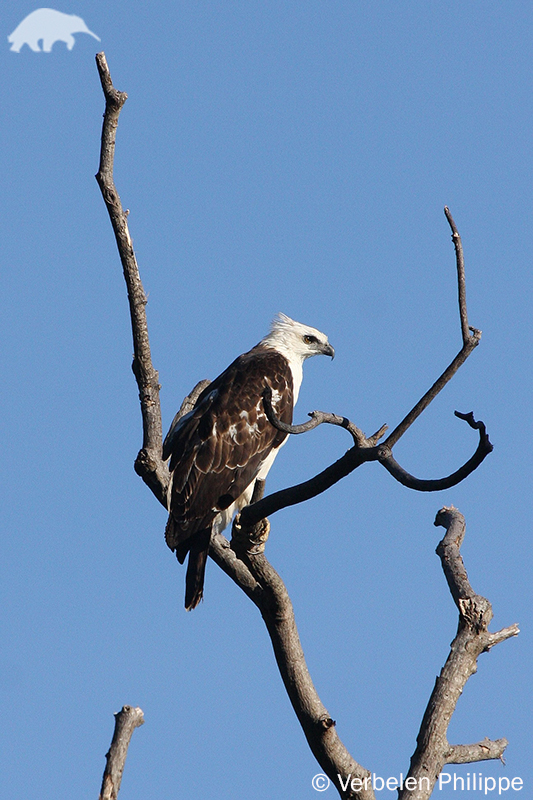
(431, 394)
(317, 418)
(311, 488)
(481, 751)
(461, 281)
(148, 464)
(470, 336)
(126, 721)
(475, 613)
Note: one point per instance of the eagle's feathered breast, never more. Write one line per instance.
(217, 449)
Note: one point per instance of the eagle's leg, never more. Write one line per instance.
(259, 490)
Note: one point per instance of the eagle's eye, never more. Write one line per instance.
(310, 339)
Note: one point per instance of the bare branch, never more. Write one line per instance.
(225, 557)
(486, 750)
(461, 281)
(483, 449)
(475, 613)
(353, 459)
(469, 343)
(257, 578)
(501, 636)
(318, 418)
(148, 464)
(126, 721)
(431, 394)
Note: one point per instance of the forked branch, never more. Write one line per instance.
(359, 454)
(433, 750)
(366, 449)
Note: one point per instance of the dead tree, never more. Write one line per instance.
(244, 560)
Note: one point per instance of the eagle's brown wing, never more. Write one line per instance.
(217, 449)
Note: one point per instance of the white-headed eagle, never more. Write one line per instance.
(225, 444)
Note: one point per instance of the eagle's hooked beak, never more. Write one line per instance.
(328, 350)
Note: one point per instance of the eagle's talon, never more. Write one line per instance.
(250, 541)
(259, 537)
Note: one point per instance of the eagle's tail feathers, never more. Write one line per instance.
(194, 580)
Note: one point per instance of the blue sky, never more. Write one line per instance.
(273, 156)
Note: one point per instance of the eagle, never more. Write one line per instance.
(220, 448)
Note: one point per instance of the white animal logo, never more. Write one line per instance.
(49, 25)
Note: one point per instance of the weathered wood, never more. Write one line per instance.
(126, 721)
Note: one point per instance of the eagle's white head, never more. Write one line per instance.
(301, 341)
(296, 342)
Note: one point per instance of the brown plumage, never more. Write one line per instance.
(219, 449)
